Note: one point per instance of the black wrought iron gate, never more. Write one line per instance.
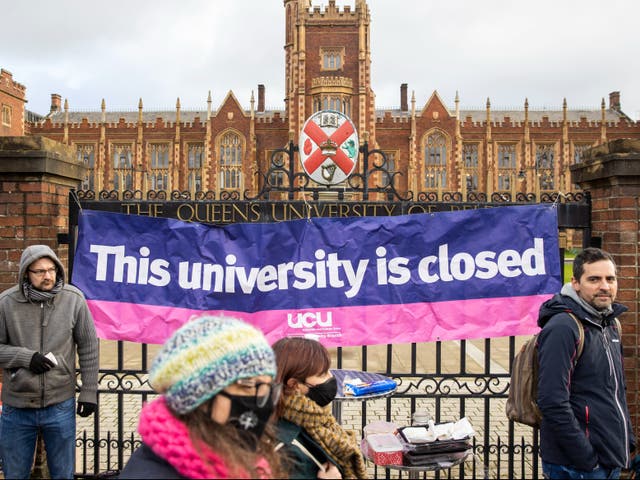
(450, 379)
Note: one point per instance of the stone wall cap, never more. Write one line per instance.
(35, 155)
(35, 143)
(615, 159)
(618, 146)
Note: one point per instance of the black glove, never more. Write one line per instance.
(86, 408)
(40, 364)
(634, 468)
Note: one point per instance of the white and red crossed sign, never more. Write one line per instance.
(328, 147)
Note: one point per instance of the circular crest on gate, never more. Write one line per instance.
(328, 147)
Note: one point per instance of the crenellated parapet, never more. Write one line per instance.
(335, 12)
(10, 86)
(123, 119)
(392, 117)
(543, 118)
(272, 117)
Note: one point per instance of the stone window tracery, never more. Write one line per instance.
(332, 58)
(6, 115)
(545, 165)
(276, 178)
(578, 151)
(159, 161)
(231, 154)
(390, 168)
(340, 103)
(122, 158)
(195, 155)
(86, 153)
(507, 163)
(471, 166)
(435, 160)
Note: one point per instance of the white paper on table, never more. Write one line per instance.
(418, 434)
(443, 431)
(462, 429)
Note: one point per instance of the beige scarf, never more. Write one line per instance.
(322, 426)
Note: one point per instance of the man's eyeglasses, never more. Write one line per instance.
(42, 272)
(264, 391)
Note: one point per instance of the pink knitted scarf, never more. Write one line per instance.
(169, 438)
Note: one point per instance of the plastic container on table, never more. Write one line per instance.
(383, 449)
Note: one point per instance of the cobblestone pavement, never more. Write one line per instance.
(448, 408)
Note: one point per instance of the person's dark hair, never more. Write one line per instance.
(226, 442)
(299, 358)
(587, 256)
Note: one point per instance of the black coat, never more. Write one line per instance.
(146, 464)
(297, 463)
(585, 419)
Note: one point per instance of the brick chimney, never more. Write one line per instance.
(614, 101)
(261, 98)
(56, 103)
(404, 105)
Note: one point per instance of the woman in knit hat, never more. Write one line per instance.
(316, 444)
(215, 380)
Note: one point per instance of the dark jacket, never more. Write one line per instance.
(146, 464)
(585, 419)
(297, 463)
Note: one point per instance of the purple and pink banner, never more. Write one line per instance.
(345, 281)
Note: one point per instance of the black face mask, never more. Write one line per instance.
(324, 393)
(248, 418)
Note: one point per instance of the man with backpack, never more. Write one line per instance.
(585, 430)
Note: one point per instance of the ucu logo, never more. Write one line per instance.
(309, 319)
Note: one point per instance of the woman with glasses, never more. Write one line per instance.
(316, 445)
(217, 393)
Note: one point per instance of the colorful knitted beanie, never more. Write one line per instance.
(206, 355)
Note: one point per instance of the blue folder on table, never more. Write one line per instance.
(378, 386)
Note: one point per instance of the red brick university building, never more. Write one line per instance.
(437, 147)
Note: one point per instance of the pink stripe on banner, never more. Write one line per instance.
(338, 327)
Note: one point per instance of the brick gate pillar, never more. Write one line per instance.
(611, 172)
(36, 175)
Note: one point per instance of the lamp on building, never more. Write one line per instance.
(469, 186)
(433, 181)
(430, 181)
(512, 186)
(536, 175)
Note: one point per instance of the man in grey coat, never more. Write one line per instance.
(43, 321)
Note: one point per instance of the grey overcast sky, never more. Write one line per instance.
(161, 50)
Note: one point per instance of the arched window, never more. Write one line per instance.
(435, 160)
(337, 102)
(390, 167)
(86, 154)
(195, 155)
(6, 115)
(507, 162)
(578, 151)
(231, 161)
(471, 166)
(159, 153)
(545, 165)
(276, 178)
(332, 58)
(122, 167)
